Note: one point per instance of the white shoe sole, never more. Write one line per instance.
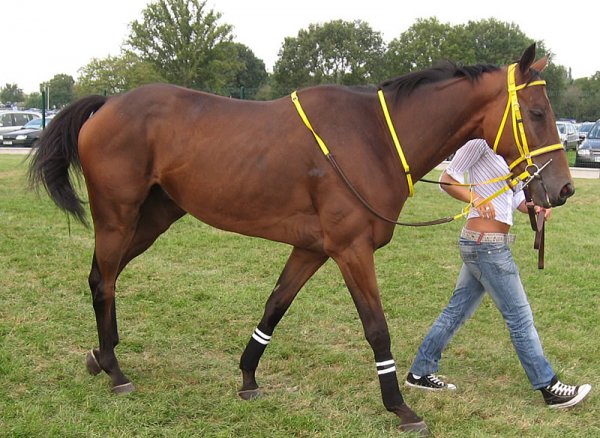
(583, 391)
(448, 387)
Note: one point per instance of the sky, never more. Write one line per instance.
(44, 38)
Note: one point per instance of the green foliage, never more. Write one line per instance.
(495, 42)
(184, 42)
(60, 90)
(478, 42)
(11, 93)
(336, 52)
(188, 306)
(115, 74)
(252, 75)
(420, 46)
(34, 100)
(586, 94)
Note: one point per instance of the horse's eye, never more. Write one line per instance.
(537, 114)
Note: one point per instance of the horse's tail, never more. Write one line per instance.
(57, 151)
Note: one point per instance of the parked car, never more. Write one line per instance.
(568, 134)
(26, 136)
(13, 120)
(588, 152)
(583, 130)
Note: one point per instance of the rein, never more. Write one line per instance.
(518, 133)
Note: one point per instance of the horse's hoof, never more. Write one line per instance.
(125, 388)
(250, 394)
(419, 428)
(92, 364)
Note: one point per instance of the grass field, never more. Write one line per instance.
(189, 304)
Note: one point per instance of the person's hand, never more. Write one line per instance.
(485, 210)
(547, 211)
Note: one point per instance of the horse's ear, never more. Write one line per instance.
(540, 64)
(527, 58)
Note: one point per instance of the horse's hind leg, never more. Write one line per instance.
(301, 265)
(155, 216)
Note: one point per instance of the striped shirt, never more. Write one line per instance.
(475, 162)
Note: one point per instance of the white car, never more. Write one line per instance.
(14, 120)
(568, 134)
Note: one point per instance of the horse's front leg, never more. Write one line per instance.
(301, 265)
(358, 269)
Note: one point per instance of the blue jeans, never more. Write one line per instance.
(487, 267)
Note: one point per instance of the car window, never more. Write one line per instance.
(570, 129)
(5, 120)
(586, 127)
(33, 124)
(561, 128)
(595, 131)
(21, 119)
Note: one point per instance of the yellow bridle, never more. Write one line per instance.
(517, 122)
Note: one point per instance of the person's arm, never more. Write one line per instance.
(462, 193)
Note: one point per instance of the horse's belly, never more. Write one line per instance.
(255, 206)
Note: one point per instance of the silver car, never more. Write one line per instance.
(588, 153)
(568, 134)
(14, 120)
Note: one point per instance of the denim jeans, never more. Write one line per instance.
(487, 267)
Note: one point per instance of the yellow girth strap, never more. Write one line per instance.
(388, 119)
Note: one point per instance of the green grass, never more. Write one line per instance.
(571, 157)
(189, 304)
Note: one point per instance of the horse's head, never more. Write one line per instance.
(522, 129)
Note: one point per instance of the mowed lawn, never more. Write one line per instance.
(188, 306)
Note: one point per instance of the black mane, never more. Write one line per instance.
(404, 85)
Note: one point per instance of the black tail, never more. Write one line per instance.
(57, 152)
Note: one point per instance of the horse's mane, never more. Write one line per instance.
(405, 85)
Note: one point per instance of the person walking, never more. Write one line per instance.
(488, 266)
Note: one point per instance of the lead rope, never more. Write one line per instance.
(538, 225)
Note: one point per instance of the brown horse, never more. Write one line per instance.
(158, 152)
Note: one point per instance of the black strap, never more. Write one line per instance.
(538, 222)
(368, 206)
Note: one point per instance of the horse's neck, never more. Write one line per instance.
(441, 123)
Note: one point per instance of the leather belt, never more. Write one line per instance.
(478, 237)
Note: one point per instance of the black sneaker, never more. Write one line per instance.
(559, 395)
(430, 382)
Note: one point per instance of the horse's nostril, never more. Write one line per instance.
(567, 191)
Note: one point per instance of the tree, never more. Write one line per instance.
(478, 42)
(588, 93)
(556, 84)
(420, 46)
(34, 100)
(11, 93)
(338, 52)
(495, 42)
(183, 41)
(251, 77)
(60, 90)
(115, 74)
